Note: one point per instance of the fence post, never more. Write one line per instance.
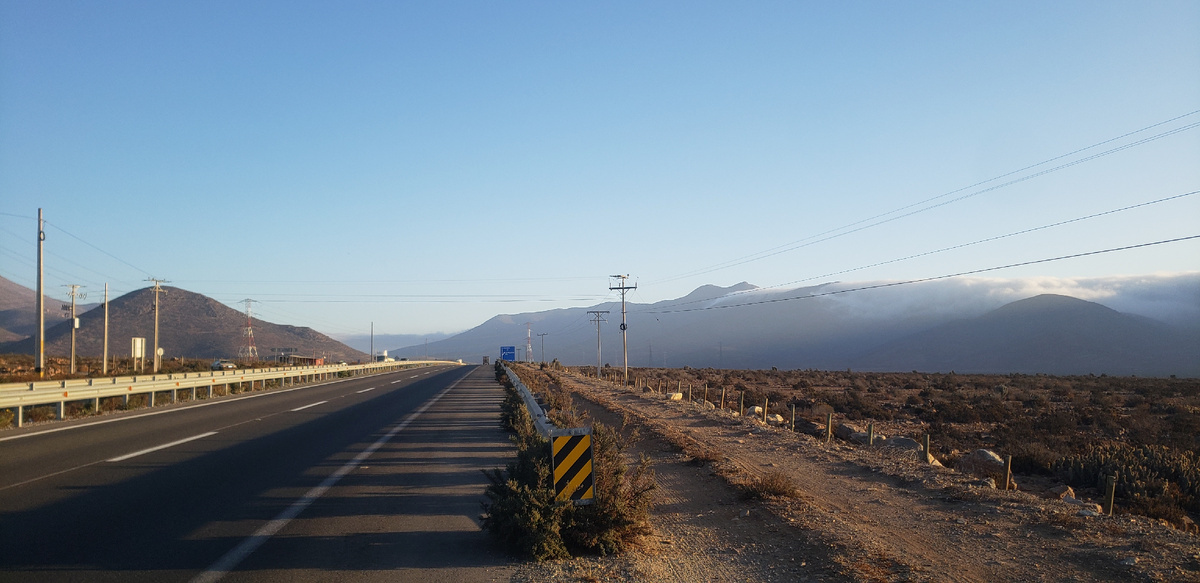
(722, 398)
(828, 427)
(742, 404)
(689, 392)
(793, 416)
(705, 392)
(1008, 473)
(1112, 492)
(764, 410)
(928, 454)
(870, 434)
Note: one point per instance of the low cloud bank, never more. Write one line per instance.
(1173, 298)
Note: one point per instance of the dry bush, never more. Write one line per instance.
(772, 484)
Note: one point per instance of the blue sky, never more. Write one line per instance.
(425, 166)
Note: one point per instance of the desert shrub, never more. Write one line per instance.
(40, 414)
(773, 483)
(620, 514)
(1149, 477)
(522, 512)
(6, 417)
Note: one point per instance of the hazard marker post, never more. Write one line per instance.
(571, 463)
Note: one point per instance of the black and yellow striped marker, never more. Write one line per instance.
(571, 460)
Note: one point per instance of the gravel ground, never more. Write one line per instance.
(861, 514)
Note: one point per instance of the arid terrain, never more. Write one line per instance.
(869, 513)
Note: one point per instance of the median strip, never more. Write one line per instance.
(309, 405)
(163, 446)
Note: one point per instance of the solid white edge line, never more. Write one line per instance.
(239, 553)
(163, 446)
(309, 405)
(365, 390)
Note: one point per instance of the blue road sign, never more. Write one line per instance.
(508, 353)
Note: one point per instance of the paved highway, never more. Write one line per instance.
(363, 479)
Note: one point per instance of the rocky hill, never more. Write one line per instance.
(190, 325)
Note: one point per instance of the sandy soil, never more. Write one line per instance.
(862, 513)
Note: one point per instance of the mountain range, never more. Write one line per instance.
(967, 327)
(742, 326)
(190, 325)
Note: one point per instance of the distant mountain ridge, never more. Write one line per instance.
(743, 326)
(190, 325)
(1050, 334)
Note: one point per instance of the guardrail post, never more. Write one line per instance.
(61, 411)
(20, 415)
(96, 405)
(150, 399)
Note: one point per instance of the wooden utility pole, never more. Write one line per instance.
(75, 294)
(104, 360)
(624, 340)
(39, 364)
(157, 289)
(598, 319)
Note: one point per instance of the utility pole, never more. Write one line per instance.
(249, 352)
(74, 293)
(157, 290)
(624, 341)
(598, 318)
(39, 365)
(528, 341)
(372, 341)
(543, 335)
(104, 360)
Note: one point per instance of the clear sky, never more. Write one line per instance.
(426, 165)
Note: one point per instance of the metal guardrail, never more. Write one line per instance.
(543, 425)
(18, 396)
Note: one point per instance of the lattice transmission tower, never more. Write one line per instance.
(248, 352)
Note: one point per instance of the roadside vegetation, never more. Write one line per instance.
(522, 513)
(1079, 430)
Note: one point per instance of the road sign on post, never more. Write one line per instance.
(508, 353)
(571, 462)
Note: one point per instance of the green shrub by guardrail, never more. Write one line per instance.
(522, 512)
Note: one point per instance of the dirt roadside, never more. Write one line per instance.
(863, 514)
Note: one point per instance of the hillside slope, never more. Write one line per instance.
(1049, 334)
(190, 325)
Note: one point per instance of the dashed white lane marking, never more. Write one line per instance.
(163, 446)
(239, 553)
(309, 405)
(365, 390)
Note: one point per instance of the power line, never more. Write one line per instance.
(834, 233)
(81, 240)
(927, 279)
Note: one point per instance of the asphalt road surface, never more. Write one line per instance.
(364, 479)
